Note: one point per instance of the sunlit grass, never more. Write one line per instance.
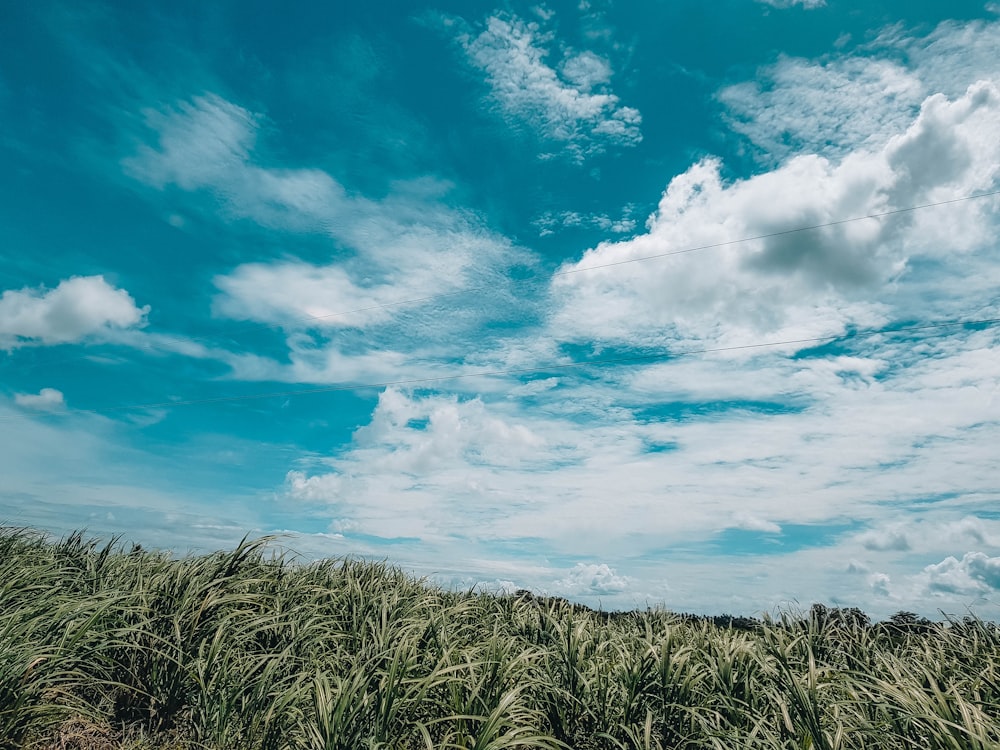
(104, 647)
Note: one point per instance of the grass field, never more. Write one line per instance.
(105, 647)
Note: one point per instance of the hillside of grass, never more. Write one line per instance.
(105, 647)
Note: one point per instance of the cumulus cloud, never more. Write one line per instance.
(790, 285)
(78, 308)
(975, 573)
(572, 105)
(589, 579)
(438, 432)
(45, 400)
(475, 469)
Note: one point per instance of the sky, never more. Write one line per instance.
(686, 305)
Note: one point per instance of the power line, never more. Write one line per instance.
(539, 279)
(985, 322)
(779, 233)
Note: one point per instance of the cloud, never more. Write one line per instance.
(201, 142)
(78, 308)
(636, 466)
(577, 471)
(443, 432)
(550, 222)
(750, 522)
(974, 573)
(208, 144)
(45, 400)
(791, 285)
(469, 468)
(586, 71)
(879, 584)
(836, 104)
(805, 106)
(807, 4)
(921, 535)
(572, 105)
(588, 579)
(889, 539)
(408, 247)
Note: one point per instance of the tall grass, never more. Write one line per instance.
(106, 647)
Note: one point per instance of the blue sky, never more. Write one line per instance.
(413, 283)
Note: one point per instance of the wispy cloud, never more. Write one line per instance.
(836, 104)
(410, 245)
(570, 104)
(807, 4)
(823, 107)
(640, 466)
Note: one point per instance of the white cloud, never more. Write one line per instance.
(611, 467)
(750, 522)
(78, 308)
(550, 222)
(408, 245)
(427, 449)
(923, 536)
(950, 57)
(803, 106)
(45, 400)
(573, 106)
(589, 579)
(807, 4)
(800, 284)
(586, 70)
(975, 573)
